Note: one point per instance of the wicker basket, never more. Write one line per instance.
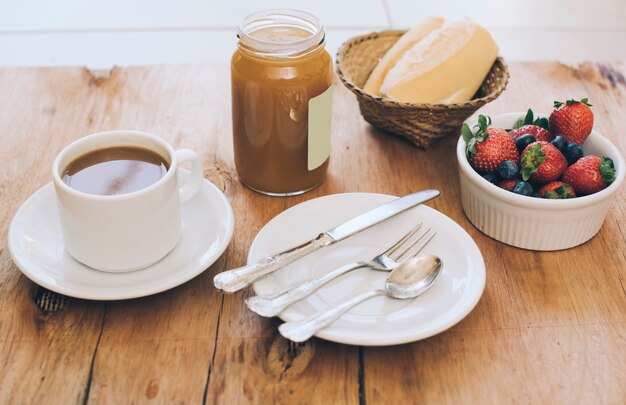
(420, 123)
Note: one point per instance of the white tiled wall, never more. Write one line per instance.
(100, 34)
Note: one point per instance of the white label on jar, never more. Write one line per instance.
(320, 108)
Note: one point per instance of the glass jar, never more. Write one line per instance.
(281, 78)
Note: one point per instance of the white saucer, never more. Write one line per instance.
(37, 248)
(379, 321)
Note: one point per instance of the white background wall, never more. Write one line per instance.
(103, 33)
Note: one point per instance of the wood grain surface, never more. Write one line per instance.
(550, 327)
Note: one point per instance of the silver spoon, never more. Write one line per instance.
(408, 280)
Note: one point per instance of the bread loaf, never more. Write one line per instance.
(447, 66)
(398, 49)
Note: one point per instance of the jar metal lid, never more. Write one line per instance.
(280, 18)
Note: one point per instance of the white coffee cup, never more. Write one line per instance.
(125, 232)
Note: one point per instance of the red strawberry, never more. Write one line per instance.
(540, 134)
(572, 119)
(590, 174)
(557, 190)
(489, 147)
(542, 162)
(508, 184)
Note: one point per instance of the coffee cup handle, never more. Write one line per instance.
(194, 181)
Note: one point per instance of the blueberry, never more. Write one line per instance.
(523, 141)
(573, 152)
(523, 188)
(559, 142)
(491, 178)
(508, 170)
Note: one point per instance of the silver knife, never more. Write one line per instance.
(236, 279)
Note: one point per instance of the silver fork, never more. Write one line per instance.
(407, 247)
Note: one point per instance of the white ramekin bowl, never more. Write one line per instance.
(536, 223)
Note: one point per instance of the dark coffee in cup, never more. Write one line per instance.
(119, 198)
(115, 170)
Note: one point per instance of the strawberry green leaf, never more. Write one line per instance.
(557, 104)
(574, 101)
(467, 133)
(542, 122)
(607, 170)
(552, 195)
(526, 173)
(519, 123)
(528, 119)
(531, 160)
(470, 148)
(482, 120)
(470, 140)
(565, 191)
(609, 161)
(481, 128)
(560, 192)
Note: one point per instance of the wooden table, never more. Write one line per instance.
(550, 327)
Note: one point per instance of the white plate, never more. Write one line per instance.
(379, 321)
(37, 248)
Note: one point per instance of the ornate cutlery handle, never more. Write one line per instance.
(303, 330)
(274, 304)
(236, 279)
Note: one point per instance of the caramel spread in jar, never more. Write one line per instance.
(281, 77)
